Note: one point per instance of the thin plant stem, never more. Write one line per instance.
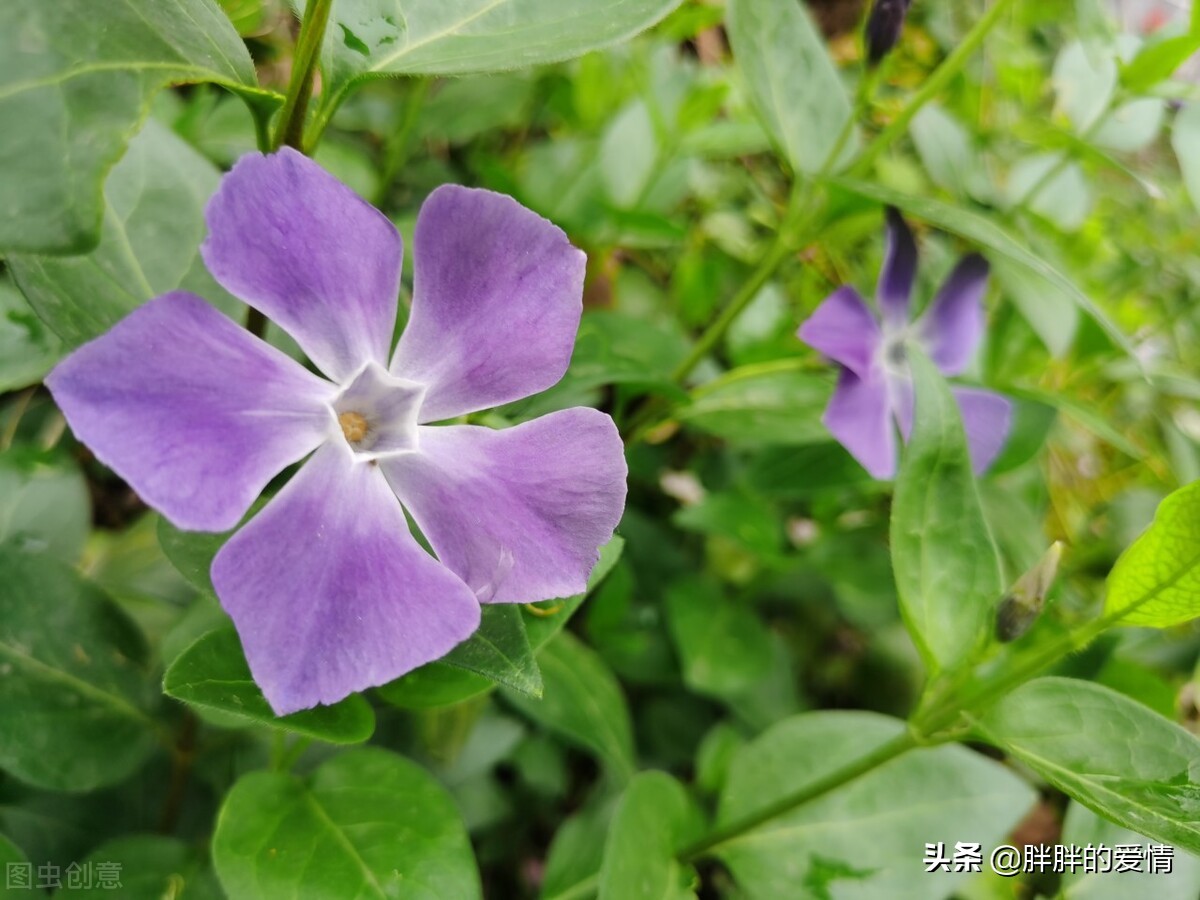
(290, 131)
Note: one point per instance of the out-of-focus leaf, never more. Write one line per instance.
(76, 701)
(1052, 188)
(650, 824)
(762, 404)
(859, 840)
(1157, 62)
(147, 866)
(152, 227)
(27, 347)
(582, 702)
(376, 38)
(1083, 828)
(791, 77)
(44, 504)
(946, 151)
(1108, 752)
(947, 570)
(1185, 140)
(1158, 578)
(212, 674)
(76, 77)
(1084, 84)
(367, 823)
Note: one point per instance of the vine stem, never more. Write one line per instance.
(290, 131)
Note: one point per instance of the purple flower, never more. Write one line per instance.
(884, 24)
(875, 385)
(328, 589)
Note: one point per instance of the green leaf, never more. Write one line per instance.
(441, 683)
(792, 79)
(1185, 141)
(149, 867)
(28, 348)
(1156, 581)
(1108, 752)
(375, 38)
(984, 231)
(947, 569)
(1083, 827)
(650, 824)
(947, 153)
(365, 824)
(762, 404)
(76, 78)
(13, 860)
(724, 648)
(153, 224)
(212, 674)
(577, 851)
(499, 651)
(1157, 62)
(864, 839)
(44, 503)
(582, 702)
(76, 699)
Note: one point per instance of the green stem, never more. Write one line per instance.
(304, 67)
(935, 84)
(884, 753)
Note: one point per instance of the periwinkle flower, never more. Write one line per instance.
(875, 386)
(327, 587)
(884, 25)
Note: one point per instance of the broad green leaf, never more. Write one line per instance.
(44, 504)
(375, 38)
(947, 569)
(1157, 579)
(650, 824)
(76, 78)
(792, 79)
(865, 839)
(1107, 751)
(366, 824)
(577, 851)
(986, 232)
(28, 349)
(1157, 62)
(1056, 191)
(1084, 83)
(442, 682)
(723, 646)
(212, 673)
(246, 15)
(75, 699)
(947, 153)
(762, 404)
(153, 224)
(191, 552)
(582, 702)
(148, 867)
(499, 651)
(1185, 141)
(1083, 827)
(1050, 312)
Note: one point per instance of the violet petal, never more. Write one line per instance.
(844, 329)
(191, 409)
(518, 514)
(859, 415)
(497, 296)
(330, 592)
(899, 270)
(305, 250)
(987, 417)
(953, 326)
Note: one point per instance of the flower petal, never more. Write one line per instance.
(860, 416)
(306, 251)
(497, 296)
(330, 592)
(843, 329)
(899, 270)
(519, 514)
(952, 327)
(986, 418)
(190, 409)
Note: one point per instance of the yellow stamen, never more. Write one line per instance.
(354, 426)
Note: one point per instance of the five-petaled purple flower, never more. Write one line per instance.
(327, 587)
(875, 384)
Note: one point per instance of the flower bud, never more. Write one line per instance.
(884, 25)
(1021, 606)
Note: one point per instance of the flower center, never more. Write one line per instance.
(354, 426)
(377, 413)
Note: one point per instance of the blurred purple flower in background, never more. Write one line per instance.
(329, 590)
(875, 386)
